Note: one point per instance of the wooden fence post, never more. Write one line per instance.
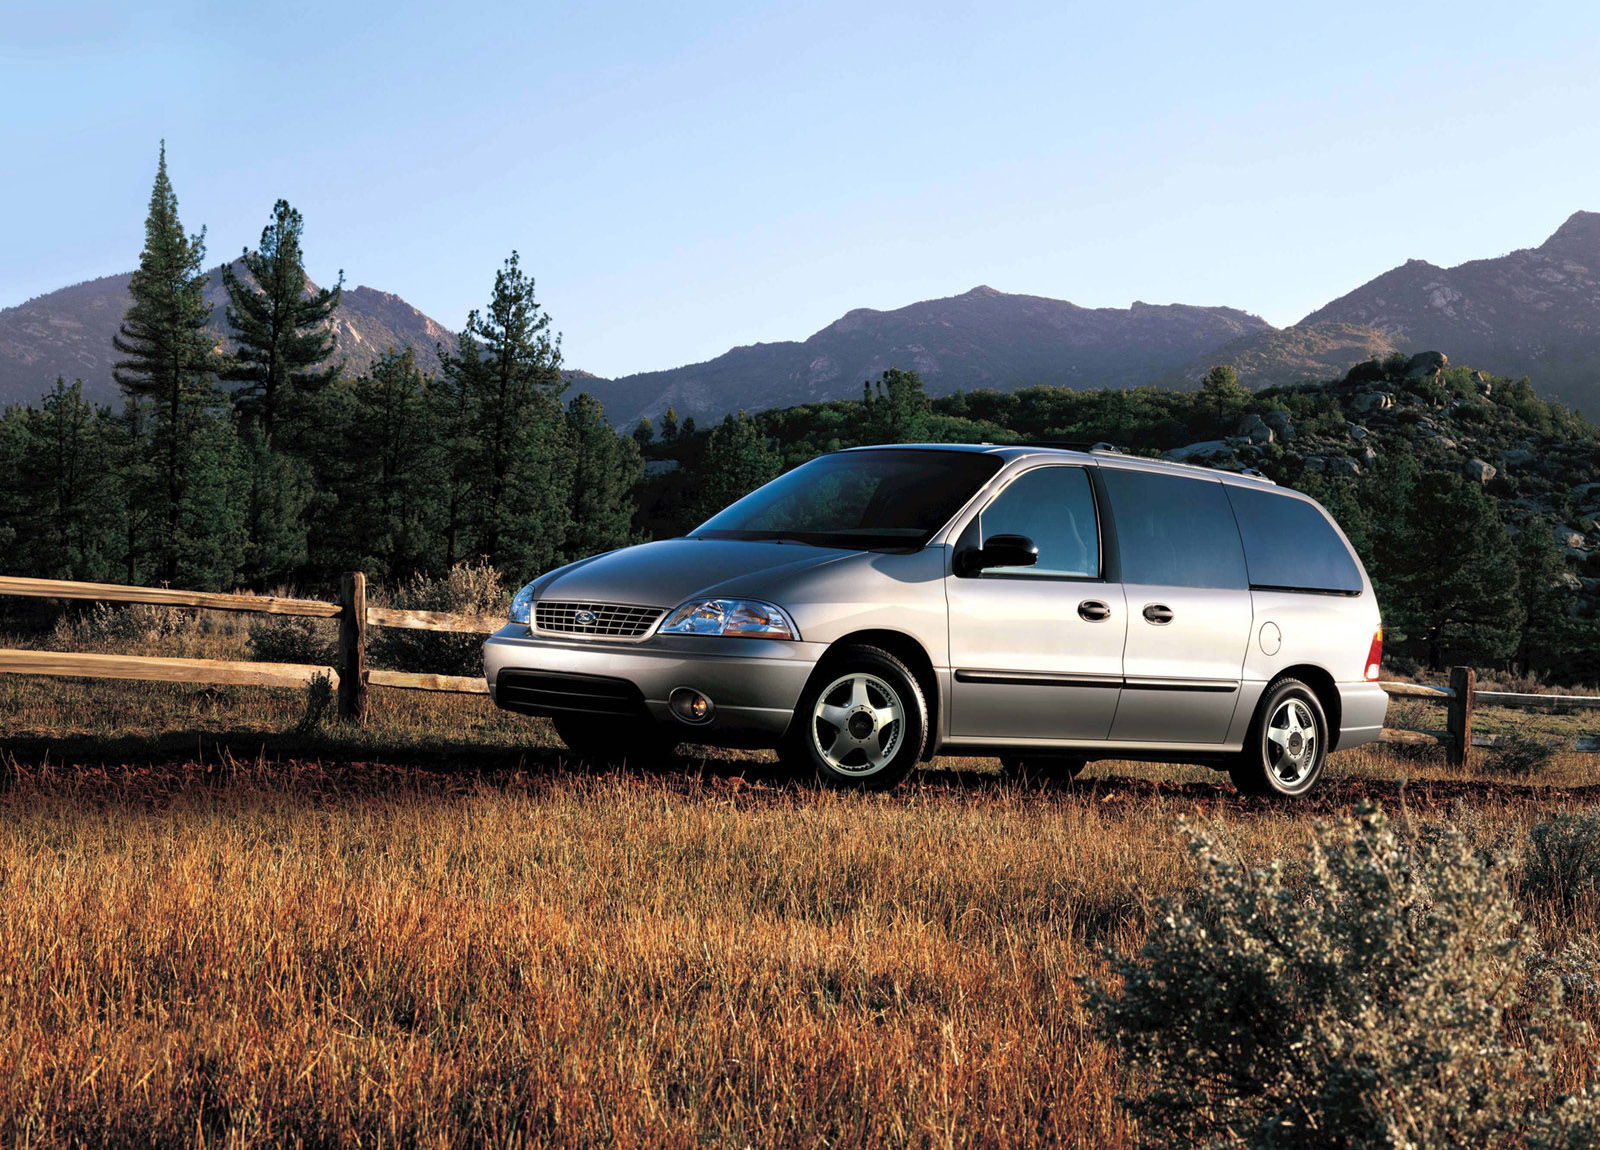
(1463, 681)
(353, 646)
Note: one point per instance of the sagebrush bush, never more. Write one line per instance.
(469, 589)
(293, 639)
(1563, 862)
(319, 696)
(1520, 753)
(1365, 1005)
(139, 624)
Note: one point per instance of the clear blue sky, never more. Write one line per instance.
(684, 178)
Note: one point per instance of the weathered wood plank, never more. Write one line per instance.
(433, 621)
(73, 664)
(411, 681)
(164, 597)
(1521, 700)
(1416, 690)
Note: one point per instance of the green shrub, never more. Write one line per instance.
(1365, 1004)
(469, 589)
(319, 695)
(1520, 753)
(293, 639)
(137, 624)
(1563, 863)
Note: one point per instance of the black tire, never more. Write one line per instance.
(1042, 765)
(613, 741)
(854, 768)
(1274, 763)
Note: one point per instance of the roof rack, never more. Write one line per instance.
(1099, 445)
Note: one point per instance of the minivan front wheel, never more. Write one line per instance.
(861, 722)
(1287, 746)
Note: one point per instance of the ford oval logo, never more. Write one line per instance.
(586, 618)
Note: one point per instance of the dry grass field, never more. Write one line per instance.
(436, 929)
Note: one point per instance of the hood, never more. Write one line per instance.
(665, 573)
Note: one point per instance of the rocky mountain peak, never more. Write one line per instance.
(1579, 236)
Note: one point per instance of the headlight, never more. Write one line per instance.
(522, 605)
(747, 617)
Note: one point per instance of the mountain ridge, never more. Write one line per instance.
(1534, 311)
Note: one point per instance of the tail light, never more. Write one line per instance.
(1375, 655)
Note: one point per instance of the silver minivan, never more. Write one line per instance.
(878, 606)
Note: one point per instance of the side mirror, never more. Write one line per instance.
(1000, 551)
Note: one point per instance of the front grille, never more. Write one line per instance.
(543, 693)
(601, 620)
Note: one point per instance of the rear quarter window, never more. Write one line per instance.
(1290, 545)
(1173, 531)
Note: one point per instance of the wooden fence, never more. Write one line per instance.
(1460, 698)
(352, 677)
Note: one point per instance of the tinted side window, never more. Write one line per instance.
(1174, 531)
(1054, 507)
(1289, 543)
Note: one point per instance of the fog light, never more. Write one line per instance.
(690, 706)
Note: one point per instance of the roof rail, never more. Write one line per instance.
(1099, 445)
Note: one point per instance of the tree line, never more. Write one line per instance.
(267, 463)
(1457, 582)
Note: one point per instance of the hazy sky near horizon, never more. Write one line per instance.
(685, 178)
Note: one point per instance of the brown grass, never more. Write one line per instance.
(435, 929)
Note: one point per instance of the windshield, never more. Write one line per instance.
(894, 497)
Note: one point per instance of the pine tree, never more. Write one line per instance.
(606, 467)
(169, 358)
(737, 460)
(897, 409)
(1449, 574)
(505, 377)
(461, 380)
(14, 447)
(669, 425)
(1223, 396)
(281, 328)
(213, 525)
(1547, 631)
(69, 503)
(278, 490)
(392, 501)
(644, 433)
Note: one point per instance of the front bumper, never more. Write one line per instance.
(754, 684)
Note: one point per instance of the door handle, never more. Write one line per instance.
(1158, 613)
(1094, 610)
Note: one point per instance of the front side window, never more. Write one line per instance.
(1174, 531)
(1054, 507)
(883, 498)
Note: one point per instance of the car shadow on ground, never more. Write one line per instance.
(319, 766)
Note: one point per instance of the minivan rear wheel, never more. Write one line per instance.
(861, 722)
(613, 741)
(1287, 745)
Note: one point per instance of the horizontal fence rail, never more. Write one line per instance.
(351, 677)
(165, 597)
(1461, 697)
(79, 665)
